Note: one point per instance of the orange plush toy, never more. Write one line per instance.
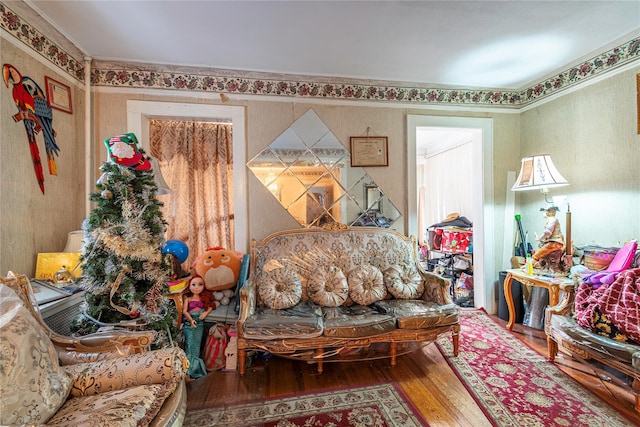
(220, 269)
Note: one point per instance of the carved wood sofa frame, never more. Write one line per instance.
(325, 348)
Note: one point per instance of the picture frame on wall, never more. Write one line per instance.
(58, 95)
(369, 151)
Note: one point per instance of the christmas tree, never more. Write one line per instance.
(124, 272)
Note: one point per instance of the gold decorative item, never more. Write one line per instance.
(62, 276)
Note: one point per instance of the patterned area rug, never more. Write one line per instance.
(516, 386)
(381, 405)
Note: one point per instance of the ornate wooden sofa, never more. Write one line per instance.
(564, 333)
(335, 295)
(106, 379)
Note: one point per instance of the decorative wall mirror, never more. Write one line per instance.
(372, 197)
(308, 170)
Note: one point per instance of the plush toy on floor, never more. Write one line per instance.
(220, 269)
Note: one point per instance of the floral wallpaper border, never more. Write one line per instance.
(126, 75)
(39, 43)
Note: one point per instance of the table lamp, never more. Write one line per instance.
(539, 173)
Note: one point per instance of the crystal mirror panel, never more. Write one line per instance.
(308, 171)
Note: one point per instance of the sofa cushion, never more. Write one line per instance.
(568, 329)
(418, 314)
(328, 287)
(302, 321)
(32, 385)
(356, 321)
(280, 288)
(134, 406)
(151, 367)
(403, 282)
(366, 285)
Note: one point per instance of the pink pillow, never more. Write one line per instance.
(623, 258)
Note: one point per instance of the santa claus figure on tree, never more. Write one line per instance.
(124, 272)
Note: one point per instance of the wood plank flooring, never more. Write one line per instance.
(423, 375)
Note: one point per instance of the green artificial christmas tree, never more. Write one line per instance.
(124, 272)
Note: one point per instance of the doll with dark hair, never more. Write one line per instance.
(196, 308)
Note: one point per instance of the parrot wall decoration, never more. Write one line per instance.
(36, 114)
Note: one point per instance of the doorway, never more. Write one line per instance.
(482, 193)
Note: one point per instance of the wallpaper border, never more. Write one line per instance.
(228, 81)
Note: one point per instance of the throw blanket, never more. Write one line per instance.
(618, 302)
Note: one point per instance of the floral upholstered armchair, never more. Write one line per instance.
(103, 379)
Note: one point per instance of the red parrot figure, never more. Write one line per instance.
(36, 114)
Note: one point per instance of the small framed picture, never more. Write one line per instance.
(369, 151)
(58, 95)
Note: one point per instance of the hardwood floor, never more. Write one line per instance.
(424, 376)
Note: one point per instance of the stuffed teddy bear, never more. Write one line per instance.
(220, 269)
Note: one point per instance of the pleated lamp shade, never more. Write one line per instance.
(538, 172)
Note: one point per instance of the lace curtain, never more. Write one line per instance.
(196, 160)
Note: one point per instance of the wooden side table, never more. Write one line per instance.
(553, 284)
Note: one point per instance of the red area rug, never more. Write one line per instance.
(381, 405)
(516, 386)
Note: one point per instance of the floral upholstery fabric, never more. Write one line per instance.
(366, 285)
(111, 387)
(343, 249)
(133, 406)
(32, 384)
(155, 367)
(280, 288)
(328, 287)
(403, 282)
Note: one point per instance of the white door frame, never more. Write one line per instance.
(483, 210)
(140, 112)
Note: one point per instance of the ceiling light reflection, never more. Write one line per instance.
(511, 63)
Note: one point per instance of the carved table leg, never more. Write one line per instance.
(319, 353)
(508, 296)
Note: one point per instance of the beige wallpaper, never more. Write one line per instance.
(31, 222)
(592, 137)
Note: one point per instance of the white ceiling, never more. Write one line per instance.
(458, 44)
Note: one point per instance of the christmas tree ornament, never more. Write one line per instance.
(177, 248)
(106, 194)
(123, 150)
